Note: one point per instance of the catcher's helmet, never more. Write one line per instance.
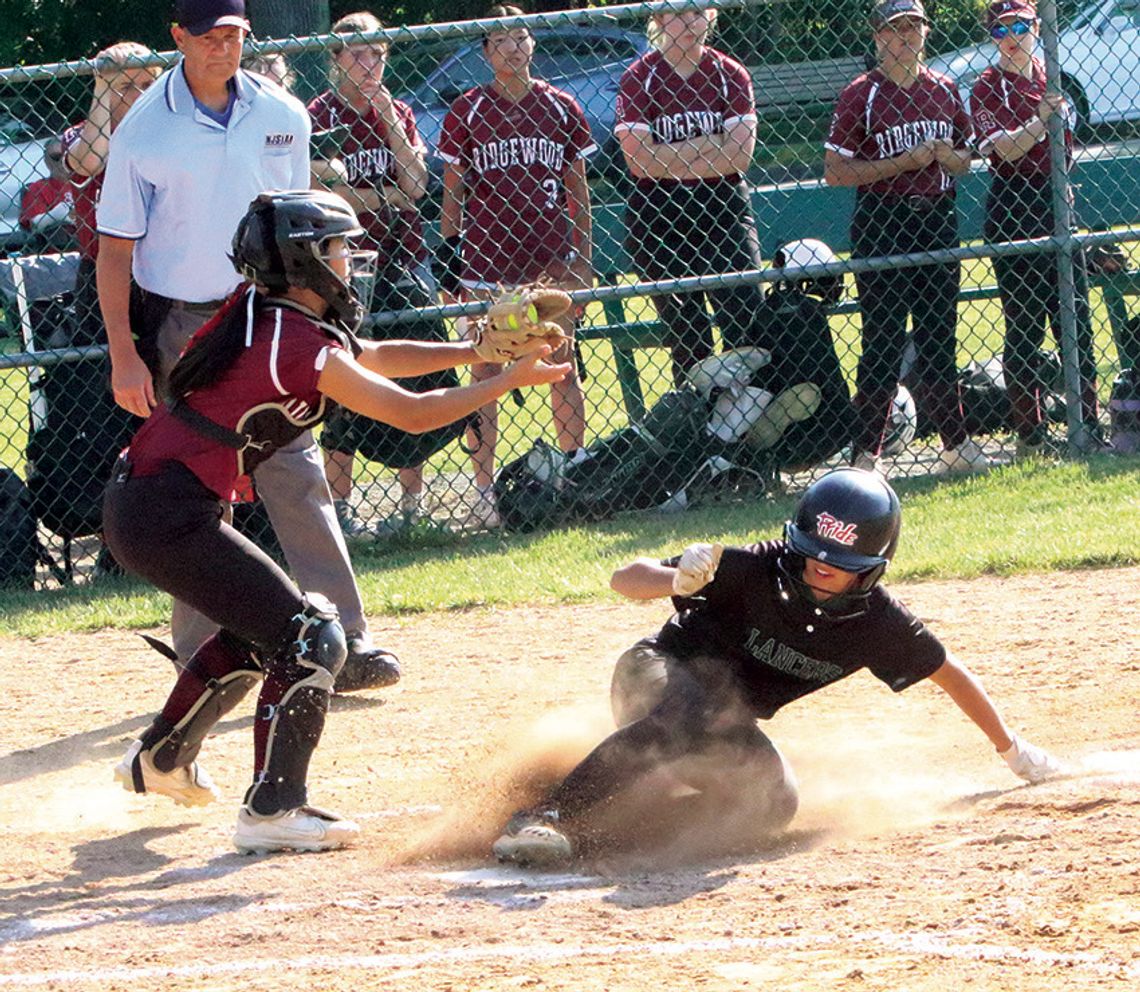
(850, 519)
(902, 424)
(810, 251)
(280, 242)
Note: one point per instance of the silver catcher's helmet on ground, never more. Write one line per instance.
(849, 519)
(810, 251)
(902, 424)
(282, 242)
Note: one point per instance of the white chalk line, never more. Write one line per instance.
(940, 946)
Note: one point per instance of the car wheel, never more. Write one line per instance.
(1078, 105)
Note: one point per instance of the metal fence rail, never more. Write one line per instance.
(709, 162)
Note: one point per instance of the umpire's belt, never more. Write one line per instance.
(209, 306)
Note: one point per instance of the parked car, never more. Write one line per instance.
(1099, 49)
(586, 61)
(21, 162)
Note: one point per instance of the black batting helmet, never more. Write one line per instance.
(280, 242)
(850, 519)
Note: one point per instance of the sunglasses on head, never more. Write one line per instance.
(1017, 29)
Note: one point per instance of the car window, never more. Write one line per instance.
(467, 70)
(556, 56)
(1125, 14)
(566, 55)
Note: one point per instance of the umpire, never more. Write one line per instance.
(183, 165)
(900, 135)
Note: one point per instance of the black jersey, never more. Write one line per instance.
(781, 648)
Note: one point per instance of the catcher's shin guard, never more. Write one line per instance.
(214, 681)
(292, 705)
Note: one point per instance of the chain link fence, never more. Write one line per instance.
(790, 246)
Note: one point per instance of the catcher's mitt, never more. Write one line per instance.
(516, 319)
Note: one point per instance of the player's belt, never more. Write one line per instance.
(916, 204)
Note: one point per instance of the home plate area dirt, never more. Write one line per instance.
(916, 861)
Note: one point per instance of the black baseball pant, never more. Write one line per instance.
(676, 230)
(927, 295)
(1020, 208)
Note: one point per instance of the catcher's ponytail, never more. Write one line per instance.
(215, 346)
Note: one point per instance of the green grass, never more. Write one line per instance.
(1035, 518)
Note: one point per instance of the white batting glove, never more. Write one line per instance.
(696, 568)
(1030, 762)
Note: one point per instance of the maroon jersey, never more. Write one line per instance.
(781, 648)
(370, 162)
(85, 194)
(514, 157)
(654, 98)
(1005, 101)
(876, 119)
(273, 380)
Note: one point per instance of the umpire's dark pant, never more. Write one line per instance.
(1020, 208)
(927, 294)
(692, 229)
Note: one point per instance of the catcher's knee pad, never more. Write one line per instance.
(292, 706)
(214, 681)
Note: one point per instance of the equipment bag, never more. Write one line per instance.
(71, 451)
(19, 544)
(637, 467)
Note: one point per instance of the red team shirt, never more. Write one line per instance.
(369, 160)
(876, 119)
(85, 195)
(514, 157)
(653, 98)
(279, 370)
(40, 197)
(1004, 101)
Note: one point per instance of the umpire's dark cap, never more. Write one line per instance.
(200, 16)
(891, 10)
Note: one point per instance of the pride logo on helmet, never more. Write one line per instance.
(834, 529)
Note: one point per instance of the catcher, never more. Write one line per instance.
(756, 627)
(250, 381)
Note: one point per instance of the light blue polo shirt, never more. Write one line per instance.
(177, 182)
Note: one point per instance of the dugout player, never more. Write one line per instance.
(686, 120)
(1011, 110)
(255, 377)
(901, 136)
(119, 80)
(385, 176)
(516, 209)
(756, 628)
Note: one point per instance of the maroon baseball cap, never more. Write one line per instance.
(200, 16)
(892, 10)
(1023, 10)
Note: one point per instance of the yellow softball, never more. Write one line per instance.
(513, 321)
(532, 314)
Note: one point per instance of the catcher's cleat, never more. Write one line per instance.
(304, 829)
(366, 667)
(530, 839)
(188, 785)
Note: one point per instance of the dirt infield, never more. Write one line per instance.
(917, 862)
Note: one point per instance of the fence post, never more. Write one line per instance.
(1079, 436)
